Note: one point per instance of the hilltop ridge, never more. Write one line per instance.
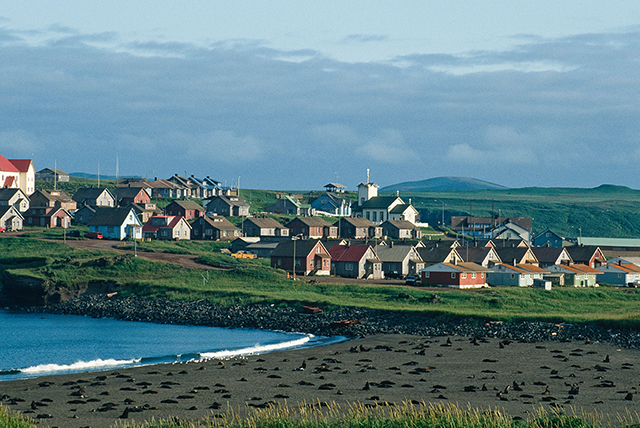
(464, 184)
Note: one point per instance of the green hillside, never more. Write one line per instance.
(604, 211)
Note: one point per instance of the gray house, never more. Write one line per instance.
(228, 206)
(399, 261)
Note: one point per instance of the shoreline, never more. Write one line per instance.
(516, 378)
(341, 321)
(392, 358)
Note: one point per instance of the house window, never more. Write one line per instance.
(473, 275)
(426, 274)
(463, 275)
(513, 276)
(374, 217)
(348, 266)
(318, 250)
(279, 262)
(453, 275)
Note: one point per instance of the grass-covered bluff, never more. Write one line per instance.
(253, 281)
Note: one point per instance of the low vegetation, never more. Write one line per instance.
(357, 415)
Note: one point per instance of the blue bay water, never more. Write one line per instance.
(42, 344)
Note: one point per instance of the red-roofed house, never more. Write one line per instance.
(460, 275)
(26, 175)
(577, 275)
(166, 228)
(355, 261)
(9, 174)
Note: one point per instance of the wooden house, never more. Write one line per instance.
(460, 275)
(399, 261)
(355, 261)
(520, 275)
(227, 206)
(311, 228)
(10, 218)
(94, 197)
(14, 197)
(309, 256)
(116, 223)
(215, 228)
(167, 228)
(264, 228)
(187, 209)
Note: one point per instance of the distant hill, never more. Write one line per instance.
(444, 184)
(95, 176)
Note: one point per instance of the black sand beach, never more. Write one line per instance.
(387, 369)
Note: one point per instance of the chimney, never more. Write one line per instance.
(619, 262)
(515, 263)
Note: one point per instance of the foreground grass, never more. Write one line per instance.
(253, 281)
(404, 416)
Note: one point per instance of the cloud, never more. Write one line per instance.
(293, 119)
(365, 38)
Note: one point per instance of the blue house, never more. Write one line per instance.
(116, 223)
(547, 238)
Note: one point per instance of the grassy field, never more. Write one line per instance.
(357, 415)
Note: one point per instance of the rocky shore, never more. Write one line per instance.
(348, 321)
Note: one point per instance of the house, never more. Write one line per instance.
(266, 229)
(379, 209)
(400, 229)
(589, 255)
(10, 218)
(52, 174)
(131, 195)
(517, 255)
(186, 209)
(95, 197)
(116, 223)
(510, 230)
(52, 199)
(290, 205)
(9, 174)
(483, 256)
(208, 187)
(26, 175)
(262, 249)
(460, 275)
(145, 211)
(241, 243)
(548, 238)
(15, 198)
(85, 213)
(355, 261)
(483, 227)
(47, 216)
(523, 275)
(165, 189)
(309, 256)
(620, 273)
(331, 204)
(167, 227)
(312, 228)
(435, 254)
(334, 188)
(358, 228)
(548, 256)
(227, 206)
(215, 228)
(399, 261)
(190, 189)
(576, 275)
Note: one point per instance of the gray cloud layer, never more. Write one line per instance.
(560, 112)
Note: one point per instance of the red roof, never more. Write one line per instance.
(149, 227)
(348, 253)
(21, 165)
(6, 165)
(8, 182)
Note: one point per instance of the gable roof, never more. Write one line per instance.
(173, 222)
(22, 165)
(6, 165)
(85, 193)
(349, 253)
(357, 221)
(380, 202)
(6, 208)
(459, 267)
(230, 201)
(508, 254)
(549, 254)
(401, 224)
(584, 253)
(188, 205)
(303, 247)
(6, 193)
(311, 221)
(477, 254)
(219, 222)
(397, 253)
(437, 254)
(265, 223)
(110, 217)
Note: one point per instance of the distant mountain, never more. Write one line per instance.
(444, 184)
(95, 176)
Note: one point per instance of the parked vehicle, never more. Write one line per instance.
(412, 280)
(244, 255)
(74, 233)
(93, 235)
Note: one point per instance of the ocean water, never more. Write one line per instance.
(34, 345)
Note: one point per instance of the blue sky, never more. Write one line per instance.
(298, 94)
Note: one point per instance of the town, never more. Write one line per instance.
(372, 237)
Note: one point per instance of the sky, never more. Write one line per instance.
(298, 94)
